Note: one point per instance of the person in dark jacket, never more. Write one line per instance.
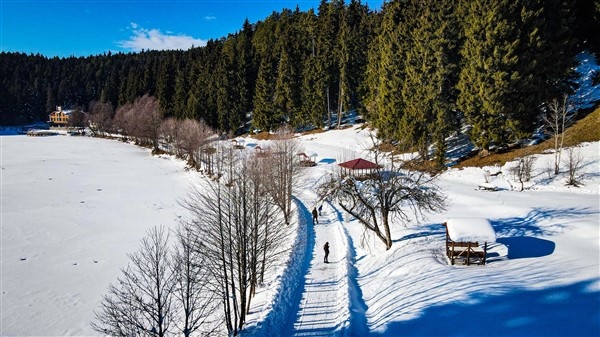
(315, 215)
(320, 209)
(326, 249)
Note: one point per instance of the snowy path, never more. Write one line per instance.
(323, 309)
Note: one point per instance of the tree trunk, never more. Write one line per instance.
(386, 228)
(340, 106)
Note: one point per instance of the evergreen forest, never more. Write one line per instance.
(416, 70)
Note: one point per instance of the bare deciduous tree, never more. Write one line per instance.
(168, 133)
(238, 227)
(574, 163)
(123, 121)
(204, 154)
(557, 120)
(147, 121)
(384, 195)
(285, 171)
(100, 117)
(192, 136)
(140, 303)
(522, 171)
(195, 302)
(189, 139)
(77, 118)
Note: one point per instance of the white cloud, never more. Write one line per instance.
(209, 18)
(153, 39)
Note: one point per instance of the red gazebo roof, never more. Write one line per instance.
(359, 164)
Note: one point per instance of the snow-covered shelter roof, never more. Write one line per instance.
(470, 230)
(359, 164)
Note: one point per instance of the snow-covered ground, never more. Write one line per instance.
(72, 207)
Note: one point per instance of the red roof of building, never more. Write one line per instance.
(359, 164)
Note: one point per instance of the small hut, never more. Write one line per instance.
(262, 151)
(238, 143)
(359, 167)
(463, 239)
(308, 159)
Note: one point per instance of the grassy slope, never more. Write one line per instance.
(586, 129)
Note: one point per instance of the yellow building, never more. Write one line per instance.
(59, 117)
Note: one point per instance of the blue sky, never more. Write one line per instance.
(82, 28)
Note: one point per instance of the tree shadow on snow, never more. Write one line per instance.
(286, 303)
(571, 310)
(530, 224)
(526, 246)
(358, 306)
(430, 230)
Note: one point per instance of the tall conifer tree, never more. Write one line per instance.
(489, 69)
(431, 70)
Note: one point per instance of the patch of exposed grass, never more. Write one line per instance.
(264, 135)
(586, 129)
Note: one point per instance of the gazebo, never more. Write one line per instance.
(463, 238)
(359, 167)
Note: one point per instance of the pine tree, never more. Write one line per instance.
(431, 70)
(180, 95)
(313, 87)
(263, 116)
(265, 55)
(327, 50)
(353, 40)
(489, 71)
(165, 86)
(386, 70)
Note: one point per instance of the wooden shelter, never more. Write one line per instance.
(307, 159)
(359, 167)
(238, 143)
(463, 238)
(262, 151)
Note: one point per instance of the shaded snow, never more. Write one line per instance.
(586, 94)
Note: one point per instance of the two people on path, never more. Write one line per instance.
(315, 216)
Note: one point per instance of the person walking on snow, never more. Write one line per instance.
(315, 215)
(326, 249)
(320, 209)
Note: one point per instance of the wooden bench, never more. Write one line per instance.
(488, 187)
(468, 252)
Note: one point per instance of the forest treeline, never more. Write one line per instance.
(415, 69)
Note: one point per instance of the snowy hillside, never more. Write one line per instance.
(73, 207)
(542, 277)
